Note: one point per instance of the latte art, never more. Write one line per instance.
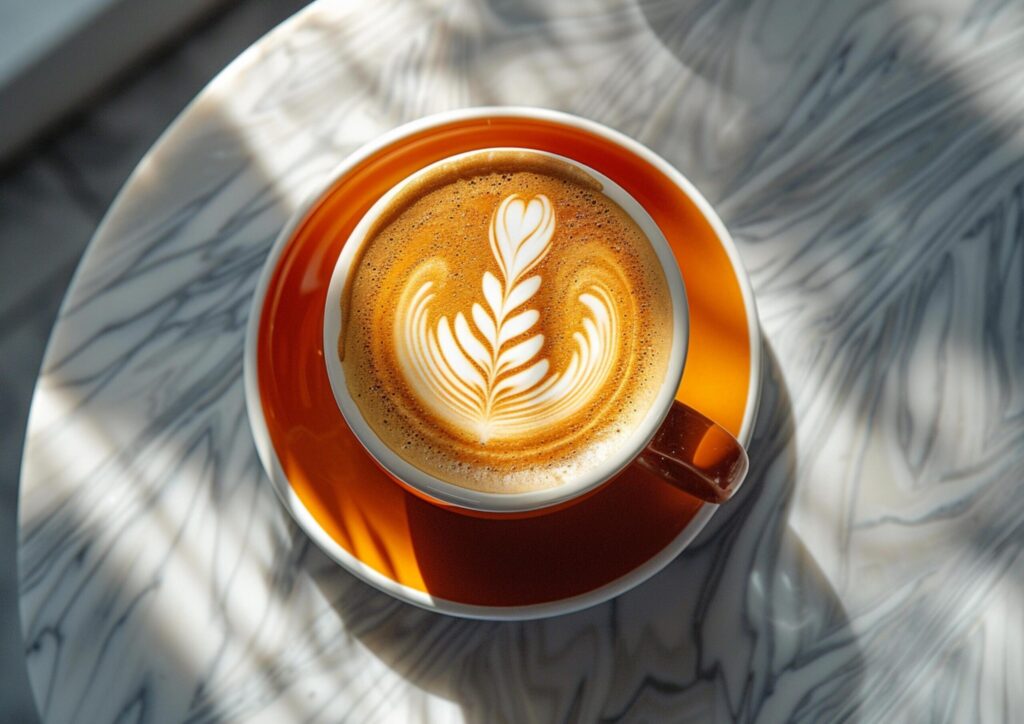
(505, 326)
(485, 378)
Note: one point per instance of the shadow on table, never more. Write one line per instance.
(742, 624)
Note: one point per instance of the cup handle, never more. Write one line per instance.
(696, 455)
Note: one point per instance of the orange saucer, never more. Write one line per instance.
(443, 560)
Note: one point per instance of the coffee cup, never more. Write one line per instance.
(505, 331)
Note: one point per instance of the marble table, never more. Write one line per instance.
(869, 160)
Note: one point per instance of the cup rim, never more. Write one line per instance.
(281, 484)
(442, 491)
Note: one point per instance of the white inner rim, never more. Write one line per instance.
(507, 502)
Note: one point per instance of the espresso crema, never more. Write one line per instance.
(506, 325)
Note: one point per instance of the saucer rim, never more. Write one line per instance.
(312, 528)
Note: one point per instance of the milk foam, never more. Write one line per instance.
(507, 325)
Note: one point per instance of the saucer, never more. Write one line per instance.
(442, 560)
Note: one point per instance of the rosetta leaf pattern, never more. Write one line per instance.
(483, 373)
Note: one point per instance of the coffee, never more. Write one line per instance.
(506, 325)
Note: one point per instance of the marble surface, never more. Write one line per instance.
(867, 158)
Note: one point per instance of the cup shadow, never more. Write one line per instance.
(743, 625)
